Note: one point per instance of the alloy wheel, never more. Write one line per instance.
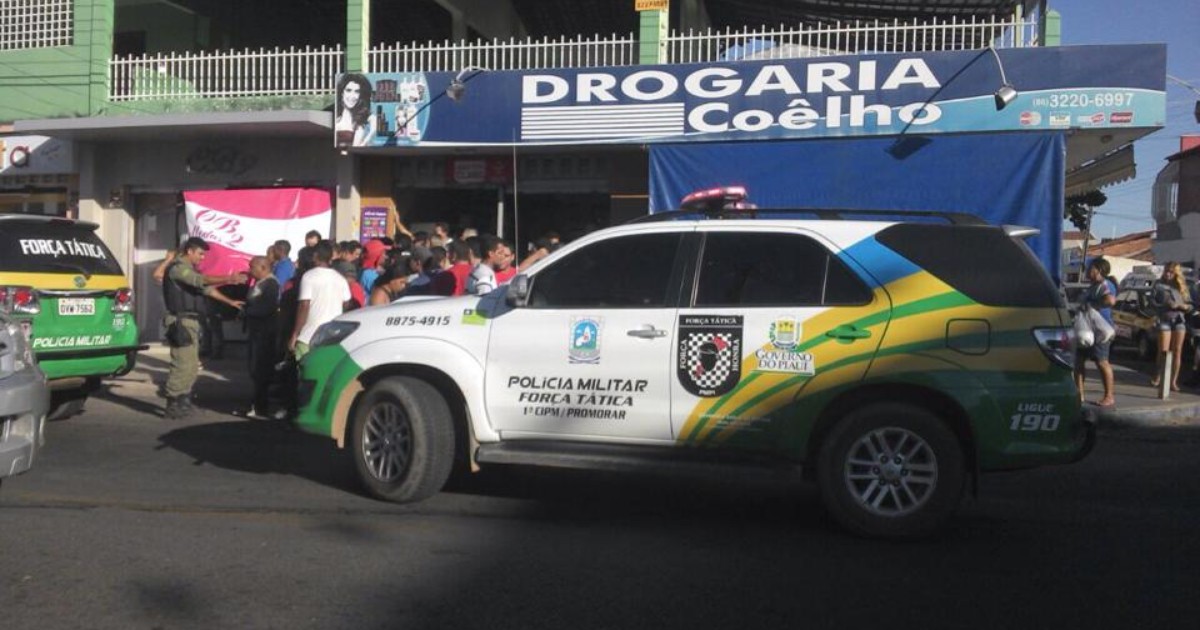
(387, 442)
(891, 471)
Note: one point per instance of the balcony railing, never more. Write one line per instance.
(312, 71)
(511, 54)
(235, 74)
(850, 38)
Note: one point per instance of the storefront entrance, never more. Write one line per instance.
(570, 194)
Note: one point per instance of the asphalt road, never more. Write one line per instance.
(132, 521)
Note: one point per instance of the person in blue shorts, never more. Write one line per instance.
(1100, 295)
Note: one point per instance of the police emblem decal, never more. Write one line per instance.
(585, 340)
(710, 354)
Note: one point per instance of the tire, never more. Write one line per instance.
(928, 477)
(402, 440)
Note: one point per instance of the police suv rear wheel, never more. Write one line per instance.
(891, 471)
(403, 440)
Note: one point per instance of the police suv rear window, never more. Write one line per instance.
(984, 263)
(54, 247)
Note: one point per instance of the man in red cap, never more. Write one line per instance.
(372, 257)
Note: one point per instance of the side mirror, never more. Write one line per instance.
(518, 291)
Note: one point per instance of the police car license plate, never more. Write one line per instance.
(76, 306)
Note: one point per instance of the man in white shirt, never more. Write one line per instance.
(483, 275)
(323, 296)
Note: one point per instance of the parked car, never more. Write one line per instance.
(1134, 319)
(24, 401)
(61, 281)
(888, 361)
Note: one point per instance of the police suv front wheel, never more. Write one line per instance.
(891, 471)
(402, 440)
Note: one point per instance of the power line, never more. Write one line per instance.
(1184, 84)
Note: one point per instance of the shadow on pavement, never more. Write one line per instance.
(134, 403)
(265, 447)
(598, 497)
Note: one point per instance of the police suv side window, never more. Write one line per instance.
(774, 269)
(629, 271)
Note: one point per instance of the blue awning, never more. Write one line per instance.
(1006, 179)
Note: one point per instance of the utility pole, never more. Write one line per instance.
(1087, 237)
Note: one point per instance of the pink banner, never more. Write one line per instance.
(239, 224)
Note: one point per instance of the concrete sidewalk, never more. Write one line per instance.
(1138, 404)
(224, 387)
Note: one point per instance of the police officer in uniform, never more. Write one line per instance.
(184, 291)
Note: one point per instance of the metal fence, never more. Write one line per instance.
(511, 54)
(278, 72)
(312, 71)
(850, 38)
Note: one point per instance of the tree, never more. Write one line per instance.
(1076, 207)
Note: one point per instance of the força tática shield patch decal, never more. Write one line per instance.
(710, 353)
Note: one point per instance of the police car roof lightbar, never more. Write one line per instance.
(749, 211)
(712, 201)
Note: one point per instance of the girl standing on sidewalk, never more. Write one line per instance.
(1101, 295)
(1173, 301)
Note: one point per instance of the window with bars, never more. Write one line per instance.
(35, 23)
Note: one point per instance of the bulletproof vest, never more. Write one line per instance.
(182, 298)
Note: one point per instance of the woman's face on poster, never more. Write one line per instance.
(351, 93)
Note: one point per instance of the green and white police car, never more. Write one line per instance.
(61, 283)
(889, 361)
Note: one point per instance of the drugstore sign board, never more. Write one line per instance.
(861, 95)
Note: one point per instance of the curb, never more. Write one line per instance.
(1185, 415)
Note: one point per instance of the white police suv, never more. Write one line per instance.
(890, 361)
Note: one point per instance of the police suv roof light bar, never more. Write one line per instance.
(715, 201)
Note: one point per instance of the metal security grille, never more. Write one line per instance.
(36, 23)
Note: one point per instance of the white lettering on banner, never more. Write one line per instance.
(599, 85)
(910, 71)
(250, 235)
(725, 86)
(800, 116)
(819, 78)
(841, 108)
(827, 75)
(632, 85)
(531, 88)
(773, 78)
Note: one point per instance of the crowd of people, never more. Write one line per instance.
(284, 301)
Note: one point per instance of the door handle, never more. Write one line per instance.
(847, 333)
(649, 332)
